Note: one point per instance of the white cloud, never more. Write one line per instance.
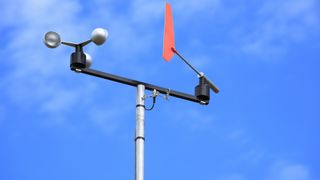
(151, 11)
(147, 11)
(19, 13)
(138, 30)
(189, 8)
(34, 78)
(280, 23)
(286, 171)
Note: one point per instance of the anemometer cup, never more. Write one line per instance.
(202, 91)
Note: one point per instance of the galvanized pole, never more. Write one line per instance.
(139, 133)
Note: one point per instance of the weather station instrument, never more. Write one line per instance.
(81, 62)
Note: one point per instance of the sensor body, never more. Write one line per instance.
(202, 91)
(78, 58)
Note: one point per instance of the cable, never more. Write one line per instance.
(153, 103)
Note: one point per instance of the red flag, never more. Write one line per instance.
(168, 39)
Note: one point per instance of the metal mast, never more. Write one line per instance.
(139, 134)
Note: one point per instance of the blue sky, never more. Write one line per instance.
(263, 55)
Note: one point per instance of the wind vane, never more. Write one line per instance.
(80, 62)
(169, 50)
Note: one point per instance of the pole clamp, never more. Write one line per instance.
(166, 97)
(140, 105)
(139, 137)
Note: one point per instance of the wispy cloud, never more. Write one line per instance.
(193, 119)
(279, 170)
(288, 171)
(34, 75)
(186, 9)
(137, 30)
(279, 24)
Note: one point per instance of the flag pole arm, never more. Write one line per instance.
(212, 86)
(181, 57)
(135, 83)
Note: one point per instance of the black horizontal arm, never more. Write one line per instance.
(135, 83)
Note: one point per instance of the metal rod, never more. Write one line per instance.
(181, 57)
(135, 83)
(139, 134)
(212, 86)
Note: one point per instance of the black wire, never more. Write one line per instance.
(153, 103)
